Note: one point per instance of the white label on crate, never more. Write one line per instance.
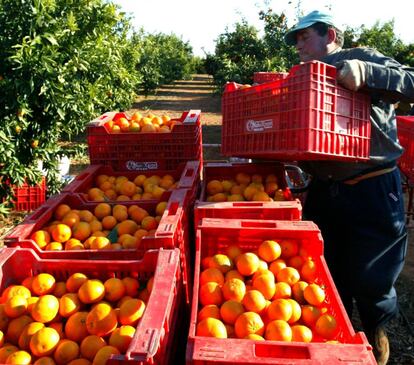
(141, 166)
(258, 125)
(341, 125)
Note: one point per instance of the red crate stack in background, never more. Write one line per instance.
(215, 236)
(155, 340)
(405, 128)
(145, 151)
(303, 116)
(28, 198)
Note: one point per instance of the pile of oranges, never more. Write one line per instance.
(138, 123)
(120, 188)
(78, 321)
(74, 229)
(270, 294)
(245, 187)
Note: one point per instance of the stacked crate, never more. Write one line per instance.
(405, 128)
(287, 117)
(28, 197)
(161, 254)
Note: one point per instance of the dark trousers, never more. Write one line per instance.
(365, 241)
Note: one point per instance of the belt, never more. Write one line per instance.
(368, 175)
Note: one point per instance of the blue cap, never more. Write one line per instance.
(305, 22)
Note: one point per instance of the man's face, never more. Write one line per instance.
(310, 45)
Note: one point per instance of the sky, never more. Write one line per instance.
(200, 22)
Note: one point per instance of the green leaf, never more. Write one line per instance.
(113, 235)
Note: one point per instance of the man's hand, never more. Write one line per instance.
(351, 74)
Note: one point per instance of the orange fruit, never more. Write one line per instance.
(288, 275)
(280, 309)
(230, 311)
(211, 327)
(296, 311)
(211, 274)
(308, 271)
(254, 337)
(102, 210)
(45, 309)
(101, 320)
(278, 330)
(15, 328)
(265, 283)
(13, 290)
(109, 222)
(86, 216)
(233, 251)
(15, 306)
(296, 262)
(41, 238)
(91, 291)
(326, 326)
(80, 362)
(242, 178)
(269, 250)
(68, 304)
(297, 291)
(66, 351)
(114, 289)
(122, 337)
(28, 331)
(314, 294)
(75, 327)
(6, 351)
(214, 187)
(210, 293)
(131, 311)
(58, 326)
(61, 232)
(103, 355)
(127, 188)
(283, 290)
(234, 289)
(74, 244)
(301, 333)
(221, 262)
(100, 243)
(81, 231)
(131, 286)
(277, 265)
(90, 346)
(254, 301)
(69, 220)
(290, 247)
(119, 213)
(248, 323)
(310, 314)
(4, 319)
(43, 283)
(44, 341)
(61, 210)
(210, 310)
(19, 357)
(60, 289)
(247, 263)
(138, 214)
(44, 360)
(233, 274)
(75, 281)
(126, 226)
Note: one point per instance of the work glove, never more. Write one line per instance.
(351, 74)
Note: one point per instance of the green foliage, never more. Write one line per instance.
(242, 52)
(163, 59)
(62, 64)
(383, 38)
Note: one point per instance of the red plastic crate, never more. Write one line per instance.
(145, 151)
(155, 335)
(261, 77)
(405, 129)
(283, 210)
(186, 175)
(28, 198)
(214, 236)
(305, 116)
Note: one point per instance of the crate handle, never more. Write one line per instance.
(190, 174)
(145, 344)
(102, 119)
(192, 116)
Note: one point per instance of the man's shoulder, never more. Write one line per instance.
(361, 53)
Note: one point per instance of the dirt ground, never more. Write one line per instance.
(198, 94)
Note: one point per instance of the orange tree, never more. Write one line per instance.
(62, 63)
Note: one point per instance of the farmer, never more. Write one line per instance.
(359, 206)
